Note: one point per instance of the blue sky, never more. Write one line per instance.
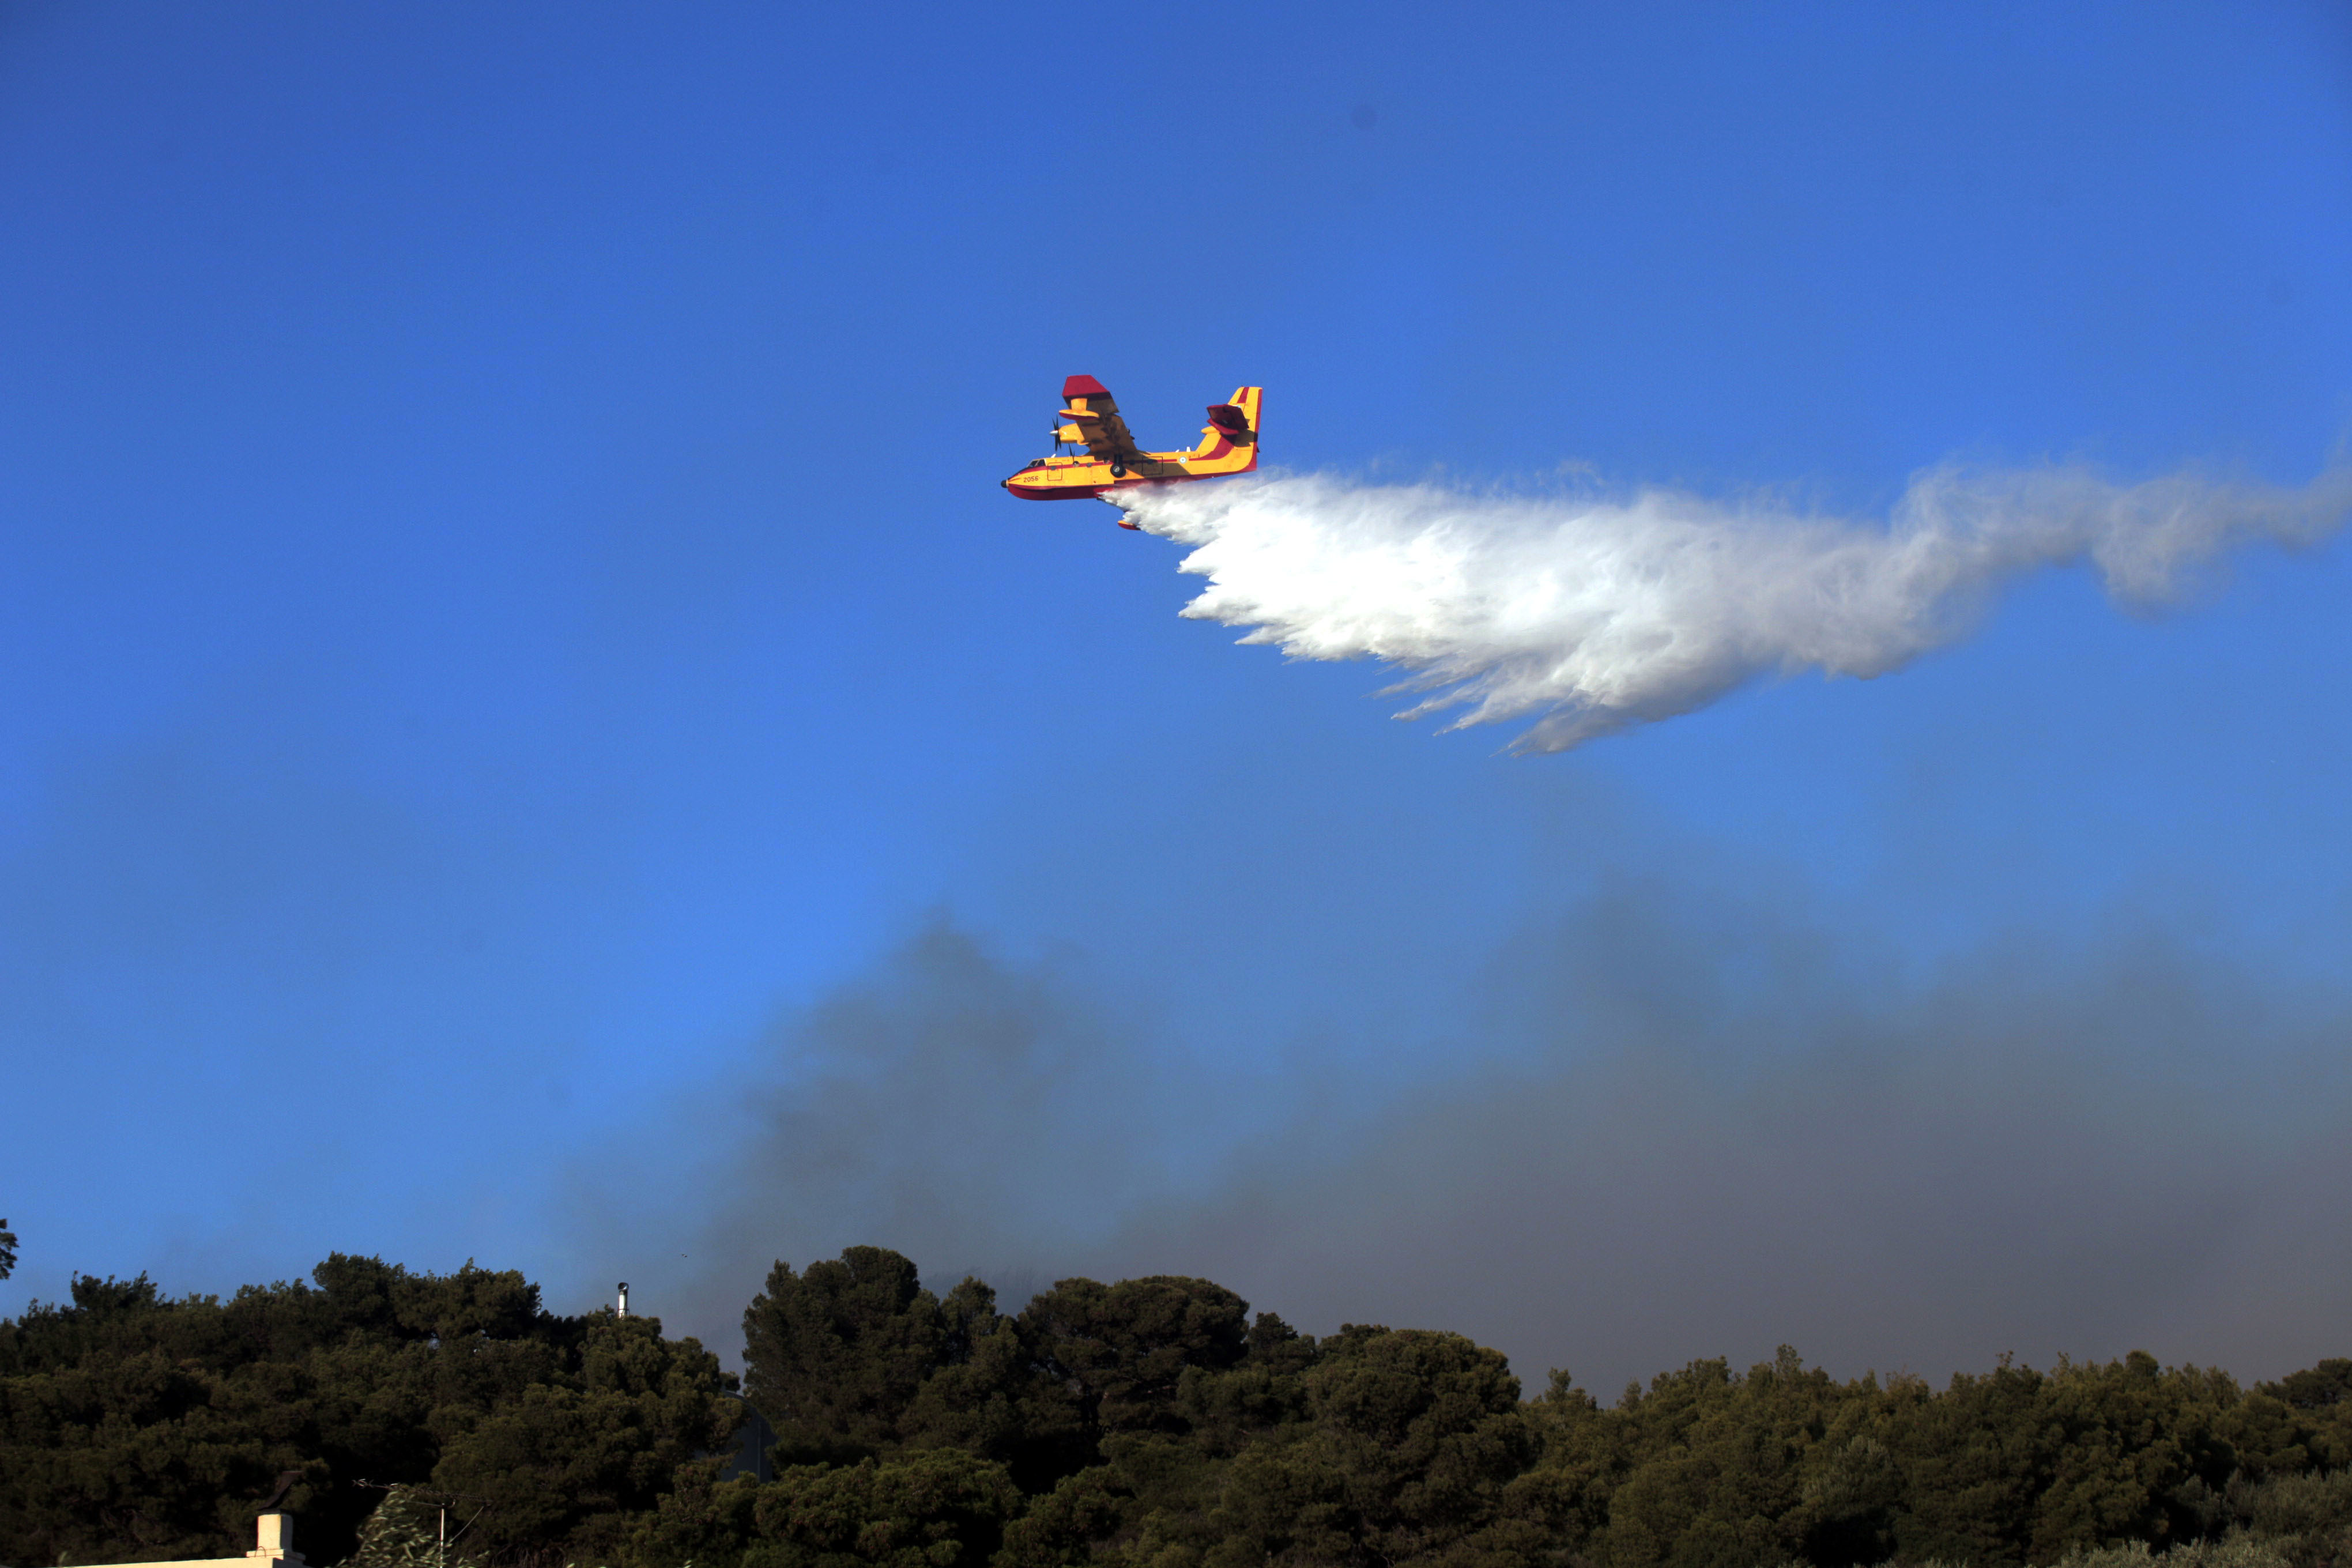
(504, 601)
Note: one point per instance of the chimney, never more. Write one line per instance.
(623, 1309)
(274, 1540)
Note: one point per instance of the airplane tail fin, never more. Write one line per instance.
(1233, 432)
(1237, 419)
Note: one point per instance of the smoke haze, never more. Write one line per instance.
(1682, 1132)
(1588, 616)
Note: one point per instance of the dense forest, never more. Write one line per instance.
(1148, 1423)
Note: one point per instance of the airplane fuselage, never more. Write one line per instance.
(1228, 445)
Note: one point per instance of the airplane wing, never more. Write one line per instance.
(1092, 416)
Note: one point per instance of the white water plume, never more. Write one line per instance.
(1592, 615)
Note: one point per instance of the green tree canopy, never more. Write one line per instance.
(833, 1357)
(144, 1426)
(1147, 1423)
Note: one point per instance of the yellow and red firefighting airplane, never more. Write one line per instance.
(1112, 461)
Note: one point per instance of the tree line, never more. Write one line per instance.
(1151, 1423)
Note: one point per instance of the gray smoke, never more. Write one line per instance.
(1695, 1133)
